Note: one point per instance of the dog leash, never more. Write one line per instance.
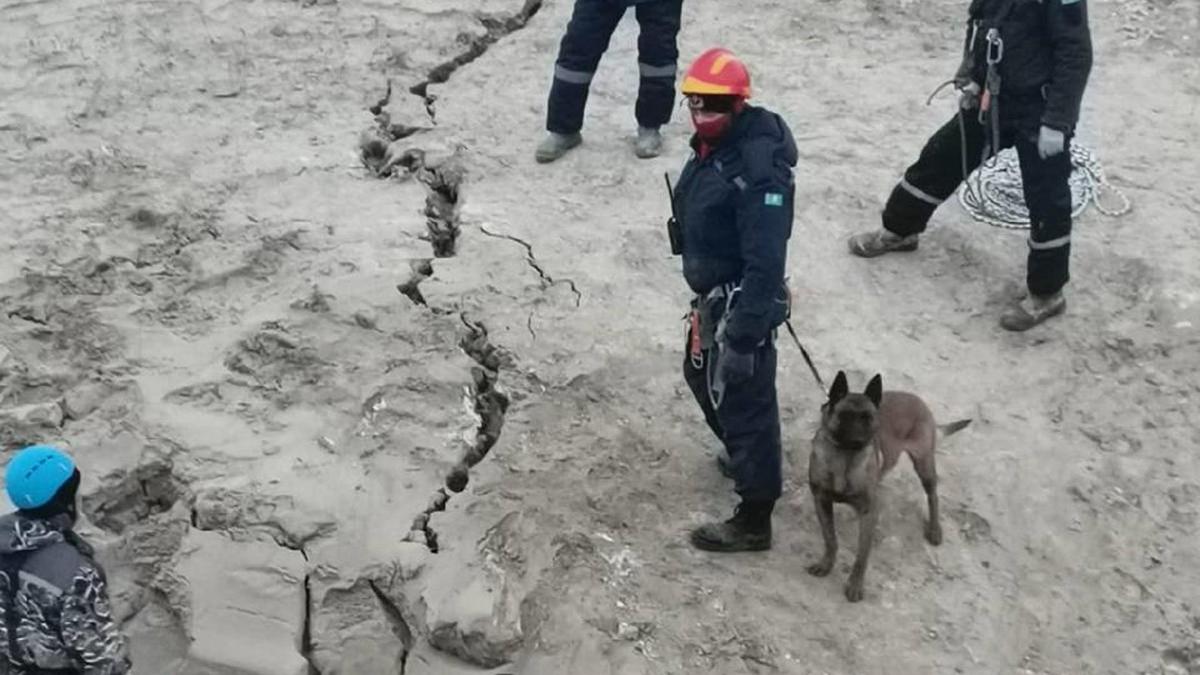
(804, 353)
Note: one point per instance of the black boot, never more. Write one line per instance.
(748, 530)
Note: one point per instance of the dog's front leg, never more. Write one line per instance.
(824, 504)
(868, 515)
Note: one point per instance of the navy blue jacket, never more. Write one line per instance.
(1047, 53)
(735, 208)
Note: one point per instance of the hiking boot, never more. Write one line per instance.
(555, 145)
(1032, 310)
(748, 530)
(648, 143)
(878, 242)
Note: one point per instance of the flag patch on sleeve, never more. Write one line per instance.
(773, 199)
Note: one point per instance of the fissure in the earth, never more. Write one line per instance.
(495, 28)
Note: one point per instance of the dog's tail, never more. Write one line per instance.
(953, 427)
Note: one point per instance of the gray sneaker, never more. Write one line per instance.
(556, 145)
(648, 143)
(1032, 310)
(878, 242)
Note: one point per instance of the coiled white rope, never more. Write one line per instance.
(993, 195)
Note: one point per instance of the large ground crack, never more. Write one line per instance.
(442, 201)
(421, 523)
(399, 625)
(442, 228)
(442, 182)
(443, 179)
(495, 28)
(420, 270)
(490, 404)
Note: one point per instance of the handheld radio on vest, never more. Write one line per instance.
(674, 232)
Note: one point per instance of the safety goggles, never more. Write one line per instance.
(717, 103)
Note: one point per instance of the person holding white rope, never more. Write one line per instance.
(1025, 66)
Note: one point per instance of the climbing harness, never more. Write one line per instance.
(696, 350)
(701, 328)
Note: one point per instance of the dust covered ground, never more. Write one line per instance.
(278, 369)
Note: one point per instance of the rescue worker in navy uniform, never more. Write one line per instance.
(55, 617)
(734, 203)
(1044, 53)
(592, 25)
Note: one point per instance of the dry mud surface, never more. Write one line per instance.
(433, 423)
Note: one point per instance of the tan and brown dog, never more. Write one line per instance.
(860, 439)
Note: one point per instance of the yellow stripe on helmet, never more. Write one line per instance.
(691, 85)
(720, 63)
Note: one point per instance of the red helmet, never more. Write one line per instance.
(717, 72)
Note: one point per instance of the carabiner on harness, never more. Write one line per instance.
(995, 48)
(989, 105)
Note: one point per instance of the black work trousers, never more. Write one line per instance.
(588, 33)
(938, 172)
(746, 421)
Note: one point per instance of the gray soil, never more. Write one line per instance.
(432, 422)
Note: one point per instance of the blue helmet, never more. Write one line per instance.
(36, 474)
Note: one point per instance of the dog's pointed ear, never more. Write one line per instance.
(874, 390)
(839, 389)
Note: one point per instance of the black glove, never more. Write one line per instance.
(734, 366)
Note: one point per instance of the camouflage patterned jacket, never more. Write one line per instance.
(63, 617)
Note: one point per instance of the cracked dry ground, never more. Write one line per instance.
(432, 423)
